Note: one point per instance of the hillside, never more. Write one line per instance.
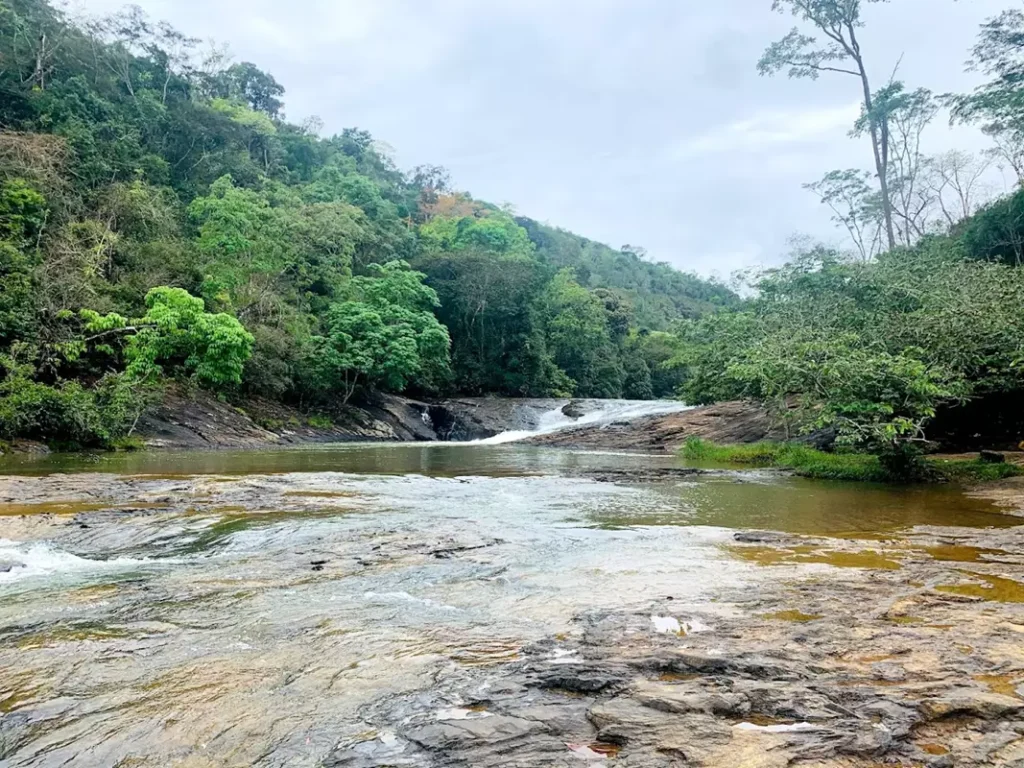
(161, 220)
(658, 293)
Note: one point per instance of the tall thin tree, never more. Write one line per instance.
(807, 56)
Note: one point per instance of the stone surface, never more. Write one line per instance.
(732, 422)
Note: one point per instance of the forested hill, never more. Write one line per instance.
(658, 294)
(161, 219)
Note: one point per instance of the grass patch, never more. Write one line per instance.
(318, 421)
(973, 471)
(129, 444)
(819, 465)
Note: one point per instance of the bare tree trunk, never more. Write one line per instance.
(40, 75)
(879, 145)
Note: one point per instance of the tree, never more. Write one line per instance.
(870, 350)
(177, 334)
(855, 206)
(580, 338)
(998, 104)
(956, 181)
(248, 84)
(804, 56)
(388, 338)
(902, 117)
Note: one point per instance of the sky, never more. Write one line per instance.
(640, 122)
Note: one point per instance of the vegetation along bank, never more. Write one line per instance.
(162, 222)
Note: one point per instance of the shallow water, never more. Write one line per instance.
(241, 608)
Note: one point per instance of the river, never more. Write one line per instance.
(261, 608)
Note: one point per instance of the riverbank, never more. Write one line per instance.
(196, 420)
(808, 462)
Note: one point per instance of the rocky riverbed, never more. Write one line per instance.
(905, 651)
(504, 607)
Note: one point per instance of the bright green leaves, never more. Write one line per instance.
(495, 232)
(23, 213)
(176, 330)
(177, 335)
(258, 122)
(388, 338)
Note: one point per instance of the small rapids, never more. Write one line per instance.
(597, 413)
(21, 561)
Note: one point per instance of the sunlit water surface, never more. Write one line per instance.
(240, 608)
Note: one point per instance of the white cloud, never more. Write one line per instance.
(639, 121)
(766, 129)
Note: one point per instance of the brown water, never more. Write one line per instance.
(235, 609)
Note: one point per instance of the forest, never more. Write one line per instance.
(161, 221)
(914, 330)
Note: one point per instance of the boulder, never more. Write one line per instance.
(573, 410)
(993, 457)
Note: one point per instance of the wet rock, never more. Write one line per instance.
(982, 704)
(32, 447)
(733, 422)
(451, 547)
(759, 537)
(992, 457)
(699, 662)
(666, 698)
(463, 734)
(573, 410)
(872, 741)
(6, 566)
(196, 420)
(386, 751)
(648, 475)
(580, 680)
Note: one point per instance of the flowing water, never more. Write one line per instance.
(235, 609)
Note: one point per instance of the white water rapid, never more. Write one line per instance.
(597, 413)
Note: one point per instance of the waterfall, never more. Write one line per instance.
(597, 413)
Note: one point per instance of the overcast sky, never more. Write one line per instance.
(628, 121)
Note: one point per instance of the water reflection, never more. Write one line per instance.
(822, 508)
(431, 459)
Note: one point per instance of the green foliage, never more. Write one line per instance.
(996, 232)
(23, 213)
(580, 339)
(386, 339)
(657, 294)
(160, 219)
(491, 305)
(998, 104)
(67, 412)
(870, 350)
(861, 467)
(178, 335)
